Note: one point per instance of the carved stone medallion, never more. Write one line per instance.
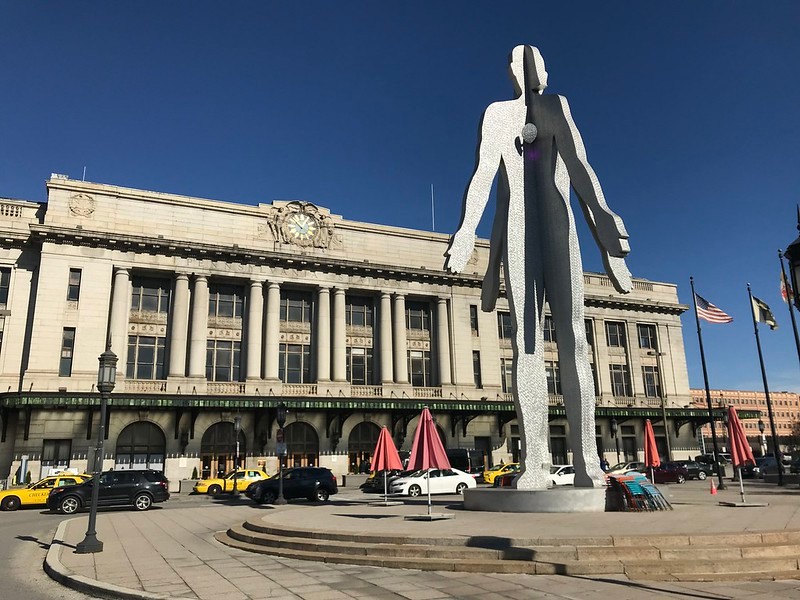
(81, 205)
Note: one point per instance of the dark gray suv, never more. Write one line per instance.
(313, 483)
(139, 489)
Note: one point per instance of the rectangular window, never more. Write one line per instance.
(504, 329)
(358, 311)
(225, 300)
(647, 337)
(473, 319)
(476, 369)
(223, 359)
(589, 332)
(359, 366)
(150, 294)
(74, 285)
(418, 316)
(620, 380)
(505, 375)
(615, 334)
(549, 330)
(294, 363)
(146, 357)
(5, 282)
(295, 307)
(67, 349)
(553, 377)
(55, 455)
(419, 367)
(652, 382)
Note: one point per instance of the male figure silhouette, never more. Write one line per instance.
(533, 142)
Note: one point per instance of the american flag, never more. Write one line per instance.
(709, 312)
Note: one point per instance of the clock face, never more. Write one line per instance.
(302, 227)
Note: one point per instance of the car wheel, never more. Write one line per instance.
(414, 491)
(322, 495)
(680, 479)
(268, 497)
(69, 505)
(701, 475)
(460, 488)
(10, 503)
(214, 490)
(143, 502)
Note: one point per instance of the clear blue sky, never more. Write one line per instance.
(689, 112)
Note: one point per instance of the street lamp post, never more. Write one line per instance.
(614, 429)
(761, 428)
(281, 417)
(106, 378)
(237, 427)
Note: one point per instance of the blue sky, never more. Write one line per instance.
(689, 112)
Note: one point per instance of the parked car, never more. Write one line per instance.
(488, 476)
(313, 483)
(374, 483)
(624, 467)
(442, 481)
(562, 475)
(696, 470)
(795, 466)
(668, 473)
(217, 485)
(36, 493)
(117, 488)
(504, 480)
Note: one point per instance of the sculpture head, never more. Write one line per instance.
(526, 69)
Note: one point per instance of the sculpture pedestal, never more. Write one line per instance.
(564, 499)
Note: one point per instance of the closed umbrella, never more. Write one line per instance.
(385, 458)
(741, 453)
(651, 458)
(427, 451)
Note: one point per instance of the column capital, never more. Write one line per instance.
(273, 285)
(256, 281)
(323, 288)
(339, 290)
(121, 270)
(200, 277)
(441, 300)
(181, 275)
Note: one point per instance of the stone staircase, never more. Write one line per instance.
(712, 557)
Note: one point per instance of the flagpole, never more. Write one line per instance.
(721, 484)
(789, 303)
(775, 450)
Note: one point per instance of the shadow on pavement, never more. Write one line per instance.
(652, 588)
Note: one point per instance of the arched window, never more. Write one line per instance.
(302, 445)
(140, 446)
(218, 450)
(360, 446)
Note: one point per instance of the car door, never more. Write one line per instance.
(436, 482)
(38, 493)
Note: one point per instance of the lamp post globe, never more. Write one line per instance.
(792, 254)
(280, 417)
(106, 379)
(614, 430)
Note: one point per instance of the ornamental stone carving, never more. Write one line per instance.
(81, 205)
(301, 224)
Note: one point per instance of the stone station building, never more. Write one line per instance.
(218, 310)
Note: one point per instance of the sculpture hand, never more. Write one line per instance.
(618, 272)
(611, 234)
(459, 251)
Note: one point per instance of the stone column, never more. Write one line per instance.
(399, 336)
(255, 310)
(199, 333)
(323, 337)
(118, 319)
(443, 342)
(179, 328)
(385, 335)
(339, 336)
(272, 331)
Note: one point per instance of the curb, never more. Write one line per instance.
(58, 572)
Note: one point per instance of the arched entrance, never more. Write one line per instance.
(140, 446)
(218, 450)
(302, 445)
(360, 446)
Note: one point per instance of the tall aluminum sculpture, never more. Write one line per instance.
(533, 142)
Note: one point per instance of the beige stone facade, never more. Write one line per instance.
(218, 310)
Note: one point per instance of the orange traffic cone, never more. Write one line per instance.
(713, 488)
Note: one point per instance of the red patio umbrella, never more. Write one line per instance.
(651, 458)
(741, 453)
(427, 450)
(385, 458)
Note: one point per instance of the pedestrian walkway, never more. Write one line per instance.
(171, 553)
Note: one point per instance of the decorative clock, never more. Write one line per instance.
(302, 227)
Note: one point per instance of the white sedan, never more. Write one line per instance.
(442, 481)
(562, 475)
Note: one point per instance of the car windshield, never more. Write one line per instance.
(618, 466)
(554, 469)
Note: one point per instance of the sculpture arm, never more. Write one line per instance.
(476, 196)
(607, 227)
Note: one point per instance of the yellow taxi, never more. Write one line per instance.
(488, 476)
(244, 477)
(37, 493)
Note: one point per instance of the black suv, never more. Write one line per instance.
(314, 483)
(117, 488)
